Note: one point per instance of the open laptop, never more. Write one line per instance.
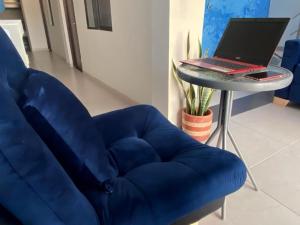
(247, 45)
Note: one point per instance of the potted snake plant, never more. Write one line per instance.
(196, 115)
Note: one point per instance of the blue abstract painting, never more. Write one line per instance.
(1, 6)
(218, 13)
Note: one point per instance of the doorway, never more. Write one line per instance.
(61, 32)
(45, 24)
(73, 35)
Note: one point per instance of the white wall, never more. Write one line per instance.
(160, 54)
(122, 58)
(58, 32)
(135, 58)
(65, 32)
(185, 16)
(286, 8)
(34, 23)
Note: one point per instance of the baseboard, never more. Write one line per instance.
(247, 103)
(39, 49)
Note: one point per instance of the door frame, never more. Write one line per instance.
(72, 33)
(45, 25)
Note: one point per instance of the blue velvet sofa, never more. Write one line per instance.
(60, 166)
(291, 61)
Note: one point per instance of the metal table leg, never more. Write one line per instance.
(225, 123)
(219, 126)
(219, 143)
(225, 111)
(242, 158)
(236, 148)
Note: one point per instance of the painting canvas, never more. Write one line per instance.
(1, 6)
(218, 13)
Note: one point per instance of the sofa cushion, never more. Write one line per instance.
(171, 174)
(132, 152)
(33, 186)
(161, 192)
(67, 128)
(147, 123)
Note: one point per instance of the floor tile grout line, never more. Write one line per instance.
(274, 199)
(282, 149)
(279, 202)
(258, 131)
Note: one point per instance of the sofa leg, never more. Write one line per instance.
(194, 217)
(223, 211)
(280, 101)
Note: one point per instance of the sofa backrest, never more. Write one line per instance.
(68, 129)
(33, 185)
(58, 116)
(12, 69)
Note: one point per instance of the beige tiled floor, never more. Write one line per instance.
(269, 137)
(96, 96)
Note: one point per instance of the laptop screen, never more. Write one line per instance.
(251, 40)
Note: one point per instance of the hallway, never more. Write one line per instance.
(96, 96)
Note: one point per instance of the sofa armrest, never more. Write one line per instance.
(291, 55)
(296, 79)
(6, 218)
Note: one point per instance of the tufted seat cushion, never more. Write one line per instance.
(170, 174)
(132, 152)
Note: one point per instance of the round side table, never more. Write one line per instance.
(228, 84)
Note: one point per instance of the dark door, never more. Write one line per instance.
(45, 25)
(73, 35)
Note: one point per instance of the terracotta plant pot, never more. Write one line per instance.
(198, 127)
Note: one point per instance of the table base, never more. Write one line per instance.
(224, 132)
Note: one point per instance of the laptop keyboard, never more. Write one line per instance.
(216, 62)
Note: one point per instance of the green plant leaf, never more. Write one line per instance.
(174, 68)
(196, 104)
(188, 46)
(200, 90)
(205, 100)
(200, 49)
(206, 53)
(192, 92)
(175, 74)
(208, 102)
(180, 84)
(188, 107)
(193, 106)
